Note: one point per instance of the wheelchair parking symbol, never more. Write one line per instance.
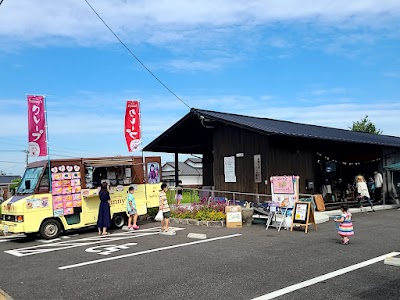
(109, 249)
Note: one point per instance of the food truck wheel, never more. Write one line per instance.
(118, 221)
(50, 229)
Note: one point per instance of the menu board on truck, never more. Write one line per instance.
(66, 189)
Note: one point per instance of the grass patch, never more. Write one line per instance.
(187, 197)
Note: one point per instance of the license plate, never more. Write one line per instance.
(5, 228)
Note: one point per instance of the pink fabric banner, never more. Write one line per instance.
(283, 184)
(133, 135)
(36, 126)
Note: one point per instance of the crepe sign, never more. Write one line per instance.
(36, 126)
(132, 125)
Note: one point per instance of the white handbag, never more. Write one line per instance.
(159, 217)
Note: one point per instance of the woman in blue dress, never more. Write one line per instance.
(104, 218)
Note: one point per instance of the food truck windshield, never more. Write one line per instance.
(30, 181)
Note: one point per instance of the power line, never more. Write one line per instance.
(1, 1)
(11, 162)
(129, 50)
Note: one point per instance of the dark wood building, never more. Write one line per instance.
(317, 154)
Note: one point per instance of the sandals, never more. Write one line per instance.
(345, 241)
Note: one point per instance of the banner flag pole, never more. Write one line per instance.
(47, 143)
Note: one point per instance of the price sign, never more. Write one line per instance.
(233, 216)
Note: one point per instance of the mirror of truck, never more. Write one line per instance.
(27, 184)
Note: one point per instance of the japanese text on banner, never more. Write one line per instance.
(36, 126)
(132, 125)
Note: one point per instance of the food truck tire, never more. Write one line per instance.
(118, 220)
(50, 229)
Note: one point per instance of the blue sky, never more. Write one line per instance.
(321, 62)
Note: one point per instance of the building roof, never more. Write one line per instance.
(8, 178)
(184, 169)
(279, 127)
(194, 160)
(192, 132)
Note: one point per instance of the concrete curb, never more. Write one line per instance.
(214, 224)
(357, 210)
(4, 295)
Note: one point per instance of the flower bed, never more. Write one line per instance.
(201, 213)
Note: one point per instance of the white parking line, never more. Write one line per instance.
(9, 238)
(146, 251)
(327, 276)
(85, 242)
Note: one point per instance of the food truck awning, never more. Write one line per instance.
(110, 162)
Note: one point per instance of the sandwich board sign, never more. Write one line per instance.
(303, 215)
(233, 216)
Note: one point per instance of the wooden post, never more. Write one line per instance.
(176, 168)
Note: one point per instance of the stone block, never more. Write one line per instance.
(193, 222)
(203, 223)
(183, 221)
(174, 221)
(215, 224)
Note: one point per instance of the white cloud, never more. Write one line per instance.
(395, 75)
(382, 114)
(193, 65)
(76, 134)
(199, 37)
(44, 20)
(330, 91)
(317, 111)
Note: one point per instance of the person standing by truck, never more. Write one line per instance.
(362, 193)
(104, 217)
(179, 193)
(131, 207)
(378, 185)
(164, 207)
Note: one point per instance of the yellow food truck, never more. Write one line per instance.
(64, 195)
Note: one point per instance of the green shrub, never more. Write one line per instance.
(152, 211)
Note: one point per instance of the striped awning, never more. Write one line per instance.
(392, 167)
(113, 162)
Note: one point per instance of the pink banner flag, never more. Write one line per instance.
(36, 126)
(133, 135)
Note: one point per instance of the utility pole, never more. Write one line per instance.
(26, 158)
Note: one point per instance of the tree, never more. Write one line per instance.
(365, 125)
(14, 184)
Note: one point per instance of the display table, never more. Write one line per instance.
(280, 212)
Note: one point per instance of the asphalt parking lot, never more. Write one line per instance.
(241, 263)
